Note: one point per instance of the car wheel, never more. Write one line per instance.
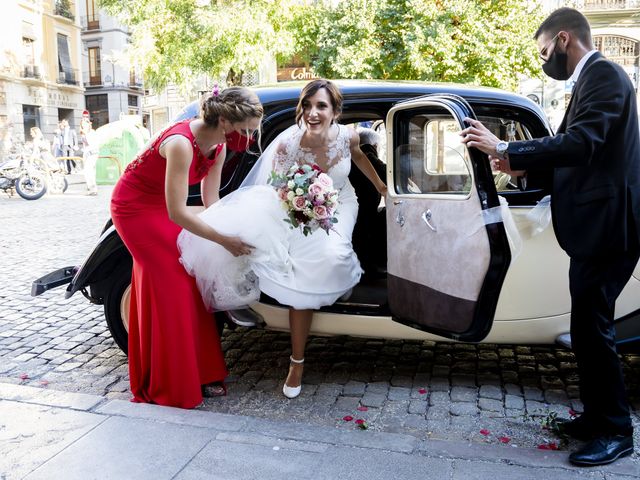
(116, 308)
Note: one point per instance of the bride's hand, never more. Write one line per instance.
(236, 246)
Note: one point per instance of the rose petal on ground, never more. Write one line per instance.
(505, 439)
(543, 446)
(362, 408)
(44, 383)
(24, 376)
(348, 418)
(362, 424)
(484, 432)
(422, 391)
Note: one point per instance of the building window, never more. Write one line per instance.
(29, 56)
(93, 19)
(30, 119)
(95, 71)
(134, 81)
(622, 50)
(98, 106)
(132, 100)
(66, 74)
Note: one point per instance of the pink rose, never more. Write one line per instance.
(320, 211)
(282, 193)
(315, 189)
(299, 203)
(325, 180)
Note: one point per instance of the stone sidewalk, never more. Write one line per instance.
(47, 434)
(483, 394)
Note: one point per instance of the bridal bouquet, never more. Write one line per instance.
(308, 197)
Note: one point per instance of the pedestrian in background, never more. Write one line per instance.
(595, 205)
(89, 155)
(69, 144)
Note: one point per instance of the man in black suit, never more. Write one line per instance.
(596, 216)
(369, 234)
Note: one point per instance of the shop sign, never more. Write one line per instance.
(61, 100)
(296, 73)
(36, 95)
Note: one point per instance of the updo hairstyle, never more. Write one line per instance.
(310, 90)
(236, 104)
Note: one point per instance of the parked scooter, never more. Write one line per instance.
(19, 174)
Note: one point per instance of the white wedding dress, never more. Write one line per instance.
(298, 271)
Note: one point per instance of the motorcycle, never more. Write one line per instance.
(18, 173)
(49, 166)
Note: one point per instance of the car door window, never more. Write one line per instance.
(433, 161)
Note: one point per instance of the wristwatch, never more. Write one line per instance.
(501, 148)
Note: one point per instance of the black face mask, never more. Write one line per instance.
(556, 66)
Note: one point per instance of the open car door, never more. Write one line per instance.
(448, 251)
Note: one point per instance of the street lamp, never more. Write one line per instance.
(115, 57)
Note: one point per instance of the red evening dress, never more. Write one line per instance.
(174, 346)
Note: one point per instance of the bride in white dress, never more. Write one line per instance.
(303, 272)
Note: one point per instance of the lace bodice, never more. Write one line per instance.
(334, 158)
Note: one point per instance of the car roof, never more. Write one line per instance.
(272, 96)
(386, 88)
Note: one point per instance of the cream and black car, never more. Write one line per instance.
(464, 255)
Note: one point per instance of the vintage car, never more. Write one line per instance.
(450, 272)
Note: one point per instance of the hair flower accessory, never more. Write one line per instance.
(216, 90)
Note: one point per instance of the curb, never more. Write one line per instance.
(306, 438)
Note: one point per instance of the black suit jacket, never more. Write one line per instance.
(595, 155)
(368, 196)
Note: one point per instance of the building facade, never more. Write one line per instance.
(113, 87)
(615, 28)
(40, 82)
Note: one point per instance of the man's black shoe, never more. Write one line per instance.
(577, 428)
(603, 450)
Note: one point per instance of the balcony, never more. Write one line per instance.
(90, 22)
(31, 71)
(599, 5)
(69, 77)
(63, 8)
(92, 79)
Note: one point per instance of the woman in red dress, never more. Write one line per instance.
(174, 347)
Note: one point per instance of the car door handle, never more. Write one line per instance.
(426, 218)
(399, 215)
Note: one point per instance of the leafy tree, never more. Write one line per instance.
(486, 42)
(178, 39)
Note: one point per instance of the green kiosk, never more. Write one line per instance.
(119, 142)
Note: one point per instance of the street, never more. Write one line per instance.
(489, 394)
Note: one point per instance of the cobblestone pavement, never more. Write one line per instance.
(486, 393)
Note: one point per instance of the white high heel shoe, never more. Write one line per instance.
(292, 392)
